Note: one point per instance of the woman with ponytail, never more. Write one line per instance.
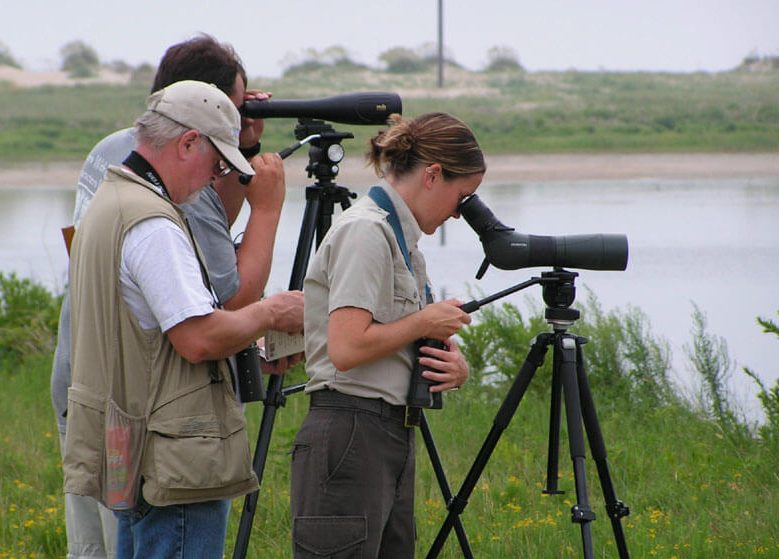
(367, 301)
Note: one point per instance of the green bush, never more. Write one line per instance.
(401, 60)
(769, 397)
(624, 361)
(79, 60)
(502, 59)
(29, 315)
(710, 359)
(7, 58)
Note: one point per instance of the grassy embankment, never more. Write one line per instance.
(700, 483)
(510, 112)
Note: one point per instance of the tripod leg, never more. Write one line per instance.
(308, 228)
(553, 454)
(615, 508)
(446, 491)
(581, 512)
(258, 464)
(533, 360)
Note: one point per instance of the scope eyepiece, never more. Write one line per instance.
(348, 108)
(507, 249)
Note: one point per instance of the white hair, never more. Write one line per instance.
(156, 130)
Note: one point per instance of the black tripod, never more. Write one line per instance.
(569, 380)
(325, 153)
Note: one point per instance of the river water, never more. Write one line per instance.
(709, 242)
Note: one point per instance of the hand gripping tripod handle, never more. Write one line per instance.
(419, 395)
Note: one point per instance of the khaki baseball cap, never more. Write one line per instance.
(204, 107)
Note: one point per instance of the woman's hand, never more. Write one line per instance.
(446, 367)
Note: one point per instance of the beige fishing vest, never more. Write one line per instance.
(196, 447)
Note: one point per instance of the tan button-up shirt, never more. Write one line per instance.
(359, 264)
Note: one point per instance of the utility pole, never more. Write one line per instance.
(440, 43)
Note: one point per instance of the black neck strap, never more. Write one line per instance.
(138, 165)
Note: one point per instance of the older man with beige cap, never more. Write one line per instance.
(154, 429)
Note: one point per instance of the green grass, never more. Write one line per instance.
(693, 492)
(511, 112)
(697, 487)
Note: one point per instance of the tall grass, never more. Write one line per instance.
(694, 491)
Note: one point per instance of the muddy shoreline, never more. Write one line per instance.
(500, 169)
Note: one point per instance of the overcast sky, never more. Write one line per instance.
(672, 35)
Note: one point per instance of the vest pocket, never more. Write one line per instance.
(198, 441)
(337, 537)
(84, 442)
(124, 442)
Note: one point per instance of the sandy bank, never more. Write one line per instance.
(501, 169)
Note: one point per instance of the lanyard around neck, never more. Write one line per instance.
(141, 167)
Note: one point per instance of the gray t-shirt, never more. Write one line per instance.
(359, 264)
(206, 217)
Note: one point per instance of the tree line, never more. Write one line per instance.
(80, 60)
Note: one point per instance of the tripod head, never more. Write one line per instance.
(559, 293)
(325, 151)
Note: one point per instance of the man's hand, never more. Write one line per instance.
(251, 128)
(286, 309)
(281, 365)
(267, 188)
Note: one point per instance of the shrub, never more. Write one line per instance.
(401, 60)
(79, 60)
(142, 75)
(769, 398)
(710, 359)
(496, 344)
(6, 58)
(28, 319)
(623, 362)
(502, 59)
(312, 60)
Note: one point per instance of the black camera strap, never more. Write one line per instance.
(138, 165)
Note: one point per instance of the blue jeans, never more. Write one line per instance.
(195, 531)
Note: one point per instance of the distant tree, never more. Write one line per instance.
(119, 66)
(753, 62)
(752, 58)
(400, 60)
(79, 60)
(6, 58)
(501, 59)
(429, 53)
(307, 61)
(312, 59)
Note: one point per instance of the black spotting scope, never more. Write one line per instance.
(506, 249)
(348, 108)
